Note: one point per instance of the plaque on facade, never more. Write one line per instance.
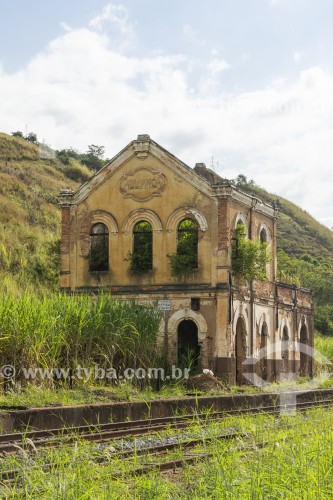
(142, 184)
(164, 305)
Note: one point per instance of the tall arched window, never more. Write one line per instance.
(263, 236)
(99, 248)
(142, 255)
(187, 242)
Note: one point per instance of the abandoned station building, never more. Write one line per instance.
(143, 220)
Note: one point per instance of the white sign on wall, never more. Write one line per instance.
(164, 305)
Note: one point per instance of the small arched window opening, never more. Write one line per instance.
(142, 256)
(285, 350)
(187, 242)
(285, 333)
(263, 236)
(99, 248)
(263, 351)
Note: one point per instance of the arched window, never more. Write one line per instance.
(240, 228)
(285, 350)
(99, 248)
(187, 242)
(263, 236)
(142, 256)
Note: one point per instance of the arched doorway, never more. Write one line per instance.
(188, 346)
(240, 351)
(263, 353)
(285, 350)
(304, 359)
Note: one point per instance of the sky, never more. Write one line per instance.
(245, 86)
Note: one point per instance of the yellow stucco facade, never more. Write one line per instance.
(144, 182)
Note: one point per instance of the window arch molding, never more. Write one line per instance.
(240, 218)
(264, 227)
(285, 325)
(186, 213)
(140, 215)
(240, 312)
(303, 322)
(263, 320)
(87, 224)
(187, 313)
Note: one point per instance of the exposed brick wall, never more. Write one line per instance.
(263, 288)
(85, 235)
(224, 223)
(65, 247)
(65, 232)
(286, 294)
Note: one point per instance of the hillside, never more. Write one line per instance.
(297, 231)
(30, 217)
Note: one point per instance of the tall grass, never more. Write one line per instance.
(56, 330)
(324, 345)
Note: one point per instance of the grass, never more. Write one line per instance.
(34, 396)
(66, 331)
(325, 346)
(29, 214)
(82, 315)
(272, 458)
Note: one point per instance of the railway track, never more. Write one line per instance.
(30, 441)
(155, 451)
(11, 443)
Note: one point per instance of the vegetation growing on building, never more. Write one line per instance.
(249, 257)
(141, 258)
(185, 259)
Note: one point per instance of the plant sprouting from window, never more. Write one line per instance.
(249, 258)
(141, 259)
(186, 257)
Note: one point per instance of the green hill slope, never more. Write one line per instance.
(297, 231)
(29, 215)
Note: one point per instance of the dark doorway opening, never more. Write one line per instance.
(240, 351)
(188, 345)
(304, 358)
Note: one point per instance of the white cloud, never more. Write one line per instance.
(114, 14)
(115, 18)
(217, 65)
(81, 90)
(65, 26)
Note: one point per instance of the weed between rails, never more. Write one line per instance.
(287, 457)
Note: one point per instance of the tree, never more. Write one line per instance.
(18, 133)
(249, 257)
(31, 137)
(93, 157)
(94, 150)
(241, 180)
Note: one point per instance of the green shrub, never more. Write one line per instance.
(249, 258)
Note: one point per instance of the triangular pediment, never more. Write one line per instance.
(143, 181)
